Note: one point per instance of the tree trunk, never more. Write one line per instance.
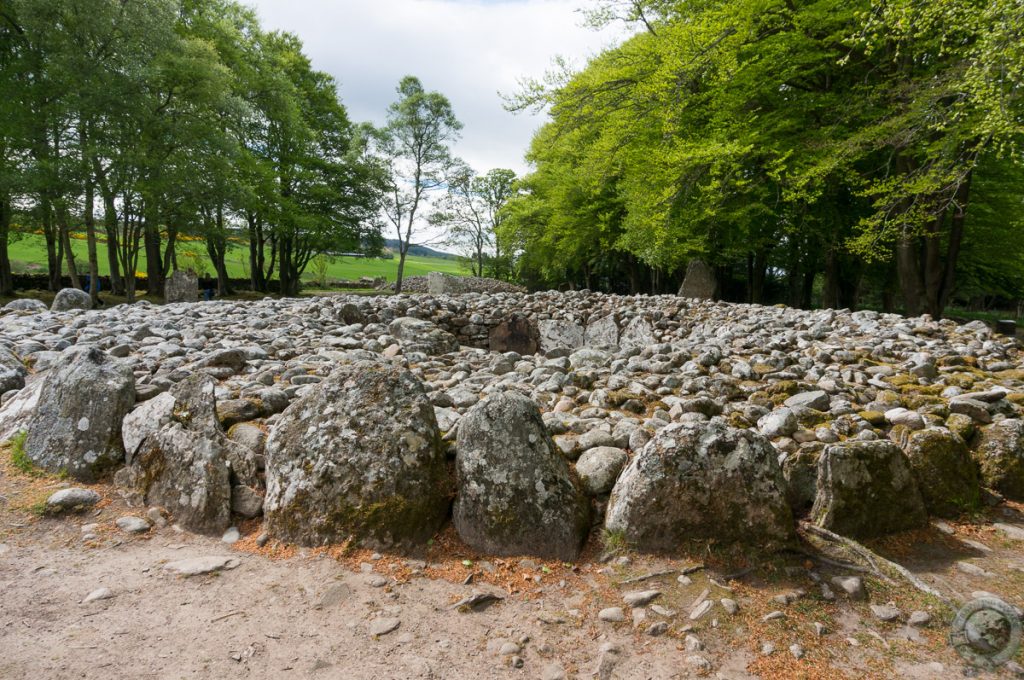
(216, 248)
(53, 250)
(110, 222)
(6, 276)
(151, 241)
(256, 254)
(908, 271)
(90, 237)
(65, 238)
(956, 236)
(402, 248)
(760, 271)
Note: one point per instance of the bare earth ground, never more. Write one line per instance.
(290, 613)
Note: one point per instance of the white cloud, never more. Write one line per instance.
(467, 49)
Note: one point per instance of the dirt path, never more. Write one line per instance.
(309, 614)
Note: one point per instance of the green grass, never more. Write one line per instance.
(19, 458)
(28, 255)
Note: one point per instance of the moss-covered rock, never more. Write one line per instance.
(946, 474)
(961, 425)
(1000, 455)
(800, 471)
(876, 418)
(703, 481)
(359, 457)
(867, 489)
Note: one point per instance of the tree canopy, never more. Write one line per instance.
(179, 119)
(824, 148)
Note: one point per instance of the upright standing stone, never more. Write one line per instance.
(603, 332)
(76, 427)
(560, 333)
(516, 495)
(182, 286)
(358, 457)
(700, 281)
(867, 489)
(699, 481)
(179, 458)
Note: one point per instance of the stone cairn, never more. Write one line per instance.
(528, 421)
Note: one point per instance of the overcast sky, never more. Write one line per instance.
(470, 50)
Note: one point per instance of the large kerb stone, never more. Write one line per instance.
(358, 457)
(515, 492)
(701, 481)
(866, 489)
(76, 426)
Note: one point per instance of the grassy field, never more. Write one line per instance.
(28, 255)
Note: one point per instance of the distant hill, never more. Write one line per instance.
(420, 251)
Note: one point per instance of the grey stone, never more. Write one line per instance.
(383, 626)
(359, 456)
(603, 332)
(185, 463)
(515, 494)
(909, 419)
(919, 619)
(778, 423)
(867, 489)
(556, 333)
(97, 595)
(71, 298)
(72, 499)
(701, 480)
(417, 335)
(700, 281)
(853, 586)
(1000, 455)
(197, 566)
(76, 426)
(638, 333)
(640, 598)
(974, 408)
(612, 615)
(885, 613)
(946, 474)
(818, 400)
(26, 305)
(181, 286)
(599, 467)
(12, 371)
(246, 501)
(132, 525)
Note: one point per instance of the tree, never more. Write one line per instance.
(780, 139)
(471, 212)
(415, 145)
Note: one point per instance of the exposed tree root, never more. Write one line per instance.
(878, 564)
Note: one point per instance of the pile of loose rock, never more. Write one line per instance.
(439, 283)
(658, 420)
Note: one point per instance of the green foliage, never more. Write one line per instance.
(803, 138)
(20, 459)
(184, 120)
(416, 158)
